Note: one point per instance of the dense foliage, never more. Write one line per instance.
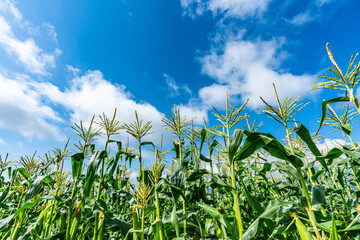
(223, 182)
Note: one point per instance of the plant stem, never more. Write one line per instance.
(303, 185)
(96, 229)
(158, 216)
(236, 202)
(140, 164)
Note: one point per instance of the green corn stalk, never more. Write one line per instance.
(178, 125)
(110, 127)
(136, 223)
(342, 82)
(139, 130)
(283, 114)
(228, 121)
(156, 170)
(88, 135)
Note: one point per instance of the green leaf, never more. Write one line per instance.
(197, 174)
(205, 159)
(24, 173)
(216, 132)
(305, 135)
(202, 138)
(323, 108)
(254, 203)
(303, 231)
(273, 146)
(5, 221)
(36, 186)
(76, 163)
(333, 233)
(212, 146)
(287, 168)
(216, 214)
(147, 143)
(252, 143)
(318, 196)
(347, 128)
(175, 221)
(235, 142)
(317, 174)
(92, 168)
(275, 208)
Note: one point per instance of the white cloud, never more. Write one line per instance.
(74, 70)
(239, 8)
(173, 88)
(197, 113)
(8, 6)
(231, 8)
(322, 2)
(51, 31)
(302, 18)
(328, 144)
(193, 8)
(91, 94)
(248, 69)
(22, 110)
(213, 95)
(2, 142)
(27, 52)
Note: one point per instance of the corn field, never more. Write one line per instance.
(228, 181)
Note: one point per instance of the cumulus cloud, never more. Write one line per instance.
(328, 144)
(26, 106)
(27, 52)
(231, 8)
(193, 112)
(90, 94)
(21, 109)
(248, 68)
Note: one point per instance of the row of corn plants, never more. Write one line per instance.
(228, 181)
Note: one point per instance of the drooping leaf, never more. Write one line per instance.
(216, 132)
(324, 105)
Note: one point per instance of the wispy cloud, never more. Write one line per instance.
(50, 29)
(74, 70)
(173, 88)
(230, 8)
(302, 18)
(322, 2)
(8, 7)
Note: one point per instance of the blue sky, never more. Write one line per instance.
(64, 61)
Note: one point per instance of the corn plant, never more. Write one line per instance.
(224, 181)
